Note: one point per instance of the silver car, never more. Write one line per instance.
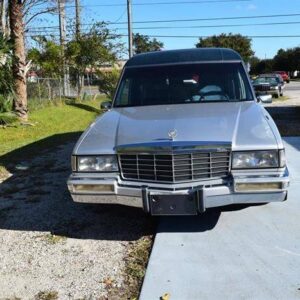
(184, 133)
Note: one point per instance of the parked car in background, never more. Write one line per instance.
(271, 84)
(285, 76)
(184, 132)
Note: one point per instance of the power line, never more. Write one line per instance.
(195, 26)
(189, 20)
(163, 3)
(188, 36)
(214, 26)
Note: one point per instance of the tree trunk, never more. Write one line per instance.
(3, 17)
(20, 68)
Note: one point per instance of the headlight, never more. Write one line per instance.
(101, 163)
(255, 159)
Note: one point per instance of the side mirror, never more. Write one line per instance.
(105, 105)
(265, 98)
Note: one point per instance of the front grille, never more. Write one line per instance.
(175, 167)
(262, 87)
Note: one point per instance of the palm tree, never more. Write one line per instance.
(20, 67)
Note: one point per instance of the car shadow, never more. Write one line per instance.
(203, 222)
(35, 197)
(287, 119)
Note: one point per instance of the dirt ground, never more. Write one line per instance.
(53, 248)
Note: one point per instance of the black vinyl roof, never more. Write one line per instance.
(183, 56)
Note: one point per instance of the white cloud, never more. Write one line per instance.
(251, 7)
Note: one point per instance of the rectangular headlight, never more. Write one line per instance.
(255, 159)
(97, 163)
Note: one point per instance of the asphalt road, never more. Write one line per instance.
(231, 253)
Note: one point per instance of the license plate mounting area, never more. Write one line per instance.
(178, 204)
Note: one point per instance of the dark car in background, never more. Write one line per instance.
(271, 84)
(285, 76)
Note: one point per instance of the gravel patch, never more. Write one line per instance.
(52, 248)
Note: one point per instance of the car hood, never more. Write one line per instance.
(246, 125)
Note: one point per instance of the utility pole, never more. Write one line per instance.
(62, 33)
(77, 25)
(130, 42)
(77, 29)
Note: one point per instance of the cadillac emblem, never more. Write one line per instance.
(172, 134)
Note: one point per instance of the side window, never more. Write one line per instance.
(123, 94)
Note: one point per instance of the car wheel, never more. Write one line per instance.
(277, 95)
(287, 81)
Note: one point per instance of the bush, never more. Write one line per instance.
(108, 82)
(6, 79)
(5, 103)
(7, 118)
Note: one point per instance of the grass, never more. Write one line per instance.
(3, 172)
(135, 268)
(53, 119)
(136, 263)
(283, 98)
(53, 239)
(46, 295)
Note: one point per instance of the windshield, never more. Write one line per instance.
(271, 80)
(189, 83)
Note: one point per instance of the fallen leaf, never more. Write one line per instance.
(165, 296)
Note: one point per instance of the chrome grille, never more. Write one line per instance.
(175, 167)
(262, 87)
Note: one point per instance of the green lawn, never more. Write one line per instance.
(50, 121)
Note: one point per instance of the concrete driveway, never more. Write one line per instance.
(231, 253)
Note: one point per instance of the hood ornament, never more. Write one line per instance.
(172, 134)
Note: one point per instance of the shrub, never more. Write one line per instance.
(108, 81)
(7, 118)
(5, 103)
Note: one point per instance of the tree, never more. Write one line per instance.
(263, 66)
(253, 61)
(142, 43)
(108, 81)
(19, 67)
(91, 51)
(48, 58)
(287, 60)
(237, 42)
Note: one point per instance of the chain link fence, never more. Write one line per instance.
(50, 89)
(44, 89)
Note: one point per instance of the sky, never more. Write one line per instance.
(263, 47)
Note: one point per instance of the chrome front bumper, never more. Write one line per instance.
(213, 193)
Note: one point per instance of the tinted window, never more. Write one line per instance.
(271, 80)
(190, 83)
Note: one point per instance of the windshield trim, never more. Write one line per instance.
(185, 63)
